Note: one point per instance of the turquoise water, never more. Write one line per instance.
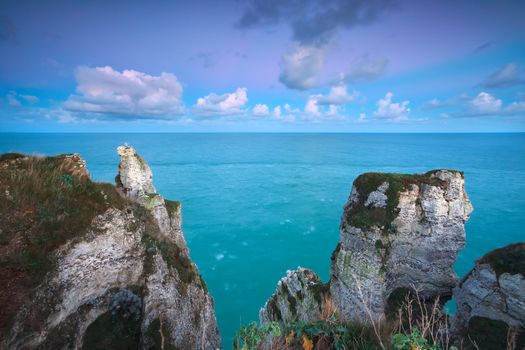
(255, 205)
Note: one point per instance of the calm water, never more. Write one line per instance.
(255, 205)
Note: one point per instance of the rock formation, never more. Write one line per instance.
(398, 233)
(299, 297)
(113, 270)
(491, 298)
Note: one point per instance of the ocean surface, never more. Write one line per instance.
(256, 205)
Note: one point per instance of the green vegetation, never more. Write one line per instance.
(252, 336)
(365, 217)
(509, 259)
(413, 340)
(172, 206)
(322, 334)
(44, 202)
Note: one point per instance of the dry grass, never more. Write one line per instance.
(43, 203)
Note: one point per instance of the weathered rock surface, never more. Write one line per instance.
(134, 180)
(299, 296)
(125, 279)
(493, 290)
(398, 233)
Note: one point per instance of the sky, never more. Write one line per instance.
(262, 66)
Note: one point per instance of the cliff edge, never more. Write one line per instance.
(86, 265)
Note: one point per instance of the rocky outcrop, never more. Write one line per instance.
(135, 181)
(299, 296)
(494, 290)
(398, 233)
(124, 279)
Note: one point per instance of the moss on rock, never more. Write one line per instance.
(509, 259)
(362, 216)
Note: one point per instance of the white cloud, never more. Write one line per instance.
(338, 95)
(362, 118)
(301, 67)
(277, 112)
(327, 106)
(365, 68)
(508, 75)
(392, 111)
(127, 94)
(261, 110)
(485, 103)
(222, 105)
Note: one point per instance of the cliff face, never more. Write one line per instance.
(299, 296)
(100, 267)
(398, 233)
(491, 298)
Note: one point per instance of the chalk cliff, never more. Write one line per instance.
(491, 298)
(398, 233)
(96, 266)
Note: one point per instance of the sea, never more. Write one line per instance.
(256, 205)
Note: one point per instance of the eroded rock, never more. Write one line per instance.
(299, 296)
(409, 240)
(494, 290)
(126, 279)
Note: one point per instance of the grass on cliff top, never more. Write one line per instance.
(365, 217)
(47, 201)
(43, 203)
(509, 259)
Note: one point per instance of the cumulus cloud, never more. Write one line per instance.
(261, 110)
(128, 94)
(485, 103)
(365, 68)
(222, 105)
(338, 95)
(301, 67)
(312, 21)
(277, 112)
(386, 109)
(508, 75)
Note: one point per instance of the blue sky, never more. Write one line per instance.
(274, 65)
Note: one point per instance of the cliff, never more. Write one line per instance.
(94, 266)
(491, 299)
(398, 233)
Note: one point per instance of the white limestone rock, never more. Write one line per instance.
(378, 197)
(410, 241)
(494, 289)
(121, 252)
(299, 296)
(135, 181)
